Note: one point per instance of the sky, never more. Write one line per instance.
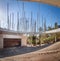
(46, 12)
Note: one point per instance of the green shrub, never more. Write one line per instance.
(34, 40)
(47, 39)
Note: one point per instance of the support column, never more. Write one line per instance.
(1, 41)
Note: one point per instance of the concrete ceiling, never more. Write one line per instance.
(51, 2)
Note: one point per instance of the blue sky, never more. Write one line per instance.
(49, 13)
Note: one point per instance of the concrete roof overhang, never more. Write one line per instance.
(52, 31)
(51, 2)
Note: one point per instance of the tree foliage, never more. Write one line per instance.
(32, 40)
(56, 25)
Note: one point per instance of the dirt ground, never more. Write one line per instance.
(34, 57)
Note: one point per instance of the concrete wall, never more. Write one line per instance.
(11, 36)
(24, 40)
(22, 37)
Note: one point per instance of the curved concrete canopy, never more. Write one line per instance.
(51, 2)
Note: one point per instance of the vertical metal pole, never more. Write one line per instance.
(23, 18)
(38, 17)
(17, 21)
(26, 25)
(31, 22)
(37, 20)
(42, 23)
(12, 21)
(7, 15)
(35, 27)
(29, 25)
(31, 28)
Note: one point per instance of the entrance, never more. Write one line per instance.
(8, 42)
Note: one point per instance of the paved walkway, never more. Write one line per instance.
(19, 50)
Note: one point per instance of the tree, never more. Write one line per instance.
(40, 39)
(40, 29)
(34, 40)
(49, 28)
(29, 41)
(56, 25)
